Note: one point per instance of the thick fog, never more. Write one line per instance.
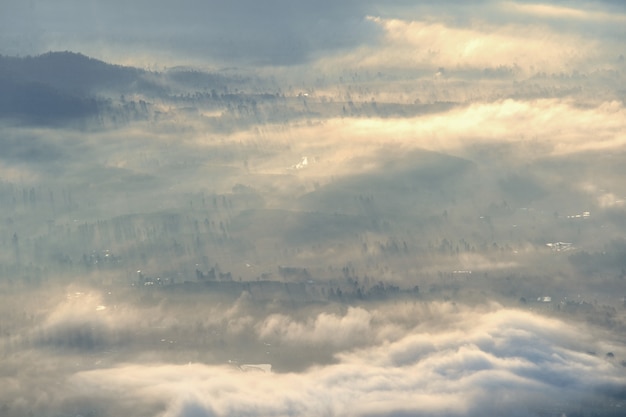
(327, 208)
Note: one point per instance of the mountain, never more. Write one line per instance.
(73, 72)
(57, 87)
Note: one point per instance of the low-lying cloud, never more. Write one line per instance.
(479, 363)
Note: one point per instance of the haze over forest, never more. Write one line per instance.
(330, 208)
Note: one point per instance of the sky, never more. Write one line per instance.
(418, 156)
(554, 35)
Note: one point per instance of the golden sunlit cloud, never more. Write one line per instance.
(562, 12)
(426, 44)
(558, 127)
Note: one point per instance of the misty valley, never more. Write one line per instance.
(185, 242)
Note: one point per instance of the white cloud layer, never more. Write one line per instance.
(478, 363)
